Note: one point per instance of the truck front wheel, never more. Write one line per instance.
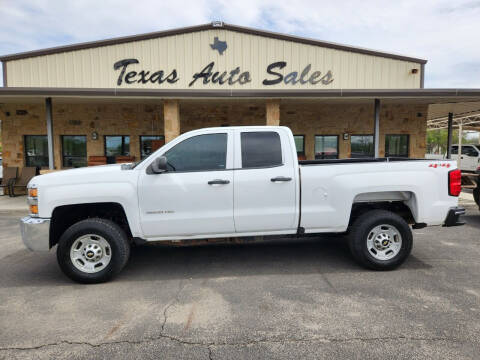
(380, 240)
(93, 250)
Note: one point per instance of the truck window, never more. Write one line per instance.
(469, 151)
(199, 153)
(261, 149)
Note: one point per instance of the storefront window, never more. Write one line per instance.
(300, 144)
(36, 150)
(396, 145)
(362, 146)
(74, 150)
(117, 146)
(150, 143)
(326, 147)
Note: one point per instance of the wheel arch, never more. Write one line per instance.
(403, 203)
(66, 215)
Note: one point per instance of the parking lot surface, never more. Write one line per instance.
(301, 298)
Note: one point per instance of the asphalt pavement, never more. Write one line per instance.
(297, 298)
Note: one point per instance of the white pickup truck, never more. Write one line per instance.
(234, 182)
(470, 157)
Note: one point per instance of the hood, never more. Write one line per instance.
(79, 175)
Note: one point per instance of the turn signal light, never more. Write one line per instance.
(454, 182)
(33, 193)
(34, 209)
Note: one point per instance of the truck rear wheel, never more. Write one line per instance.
(380, 240)
(93, 250)
(476, 194)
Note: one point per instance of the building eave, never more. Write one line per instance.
(240, 93)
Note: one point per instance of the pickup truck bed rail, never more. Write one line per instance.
(357, 160)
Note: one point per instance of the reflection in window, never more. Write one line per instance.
(300, 144)
(362, 146)
(74, 150)
(396, 145)
(326, 147)
(36, 150)
(150, 143)
(117, 145)
(202, 152)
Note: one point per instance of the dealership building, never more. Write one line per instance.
(120, 99)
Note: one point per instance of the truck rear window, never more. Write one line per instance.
(261, 149)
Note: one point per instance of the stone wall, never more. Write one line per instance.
(196, 115)
(312, 119)
(304, 118)
(79, 119)
(14, 127)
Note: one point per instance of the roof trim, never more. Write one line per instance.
(213, 93)
(190, 29)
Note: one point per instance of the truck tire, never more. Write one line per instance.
(380, 240)
(476, 194)
(93, 251)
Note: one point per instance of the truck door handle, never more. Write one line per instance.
(280, 178)
(218, 182)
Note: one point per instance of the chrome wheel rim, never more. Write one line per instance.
(90, 253)
(384, 242)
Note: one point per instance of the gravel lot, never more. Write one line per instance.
(302, 298)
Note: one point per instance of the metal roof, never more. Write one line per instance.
(214, 25)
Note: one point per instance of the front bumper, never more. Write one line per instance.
(35, 233)
(453, 217)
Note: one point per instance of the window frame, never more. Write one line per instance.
(373, 142)
(408, 144)
(123, 145)
(63, 155)
(315, 141)
(259, 167)
(25, 156)
(140, 144)
(303, 144)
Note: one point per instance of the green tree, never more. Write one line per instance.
(437, 140)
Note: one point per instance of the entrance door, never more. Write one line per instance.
(265, 182)
(195, 195)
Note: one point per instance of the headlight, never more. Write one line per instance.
(32, 201)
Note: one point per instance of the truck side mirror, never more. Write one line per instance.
(159, 165)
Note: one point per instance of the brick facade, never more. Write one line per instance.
(303, 117)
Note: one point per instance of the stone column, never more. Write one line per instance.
(49, 119)
(273, 113)
(376, 128)
(171, 116)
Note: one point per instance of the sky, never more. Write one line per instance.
(446, 33)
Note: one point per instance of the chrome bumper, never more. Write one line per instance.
(35, 233)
